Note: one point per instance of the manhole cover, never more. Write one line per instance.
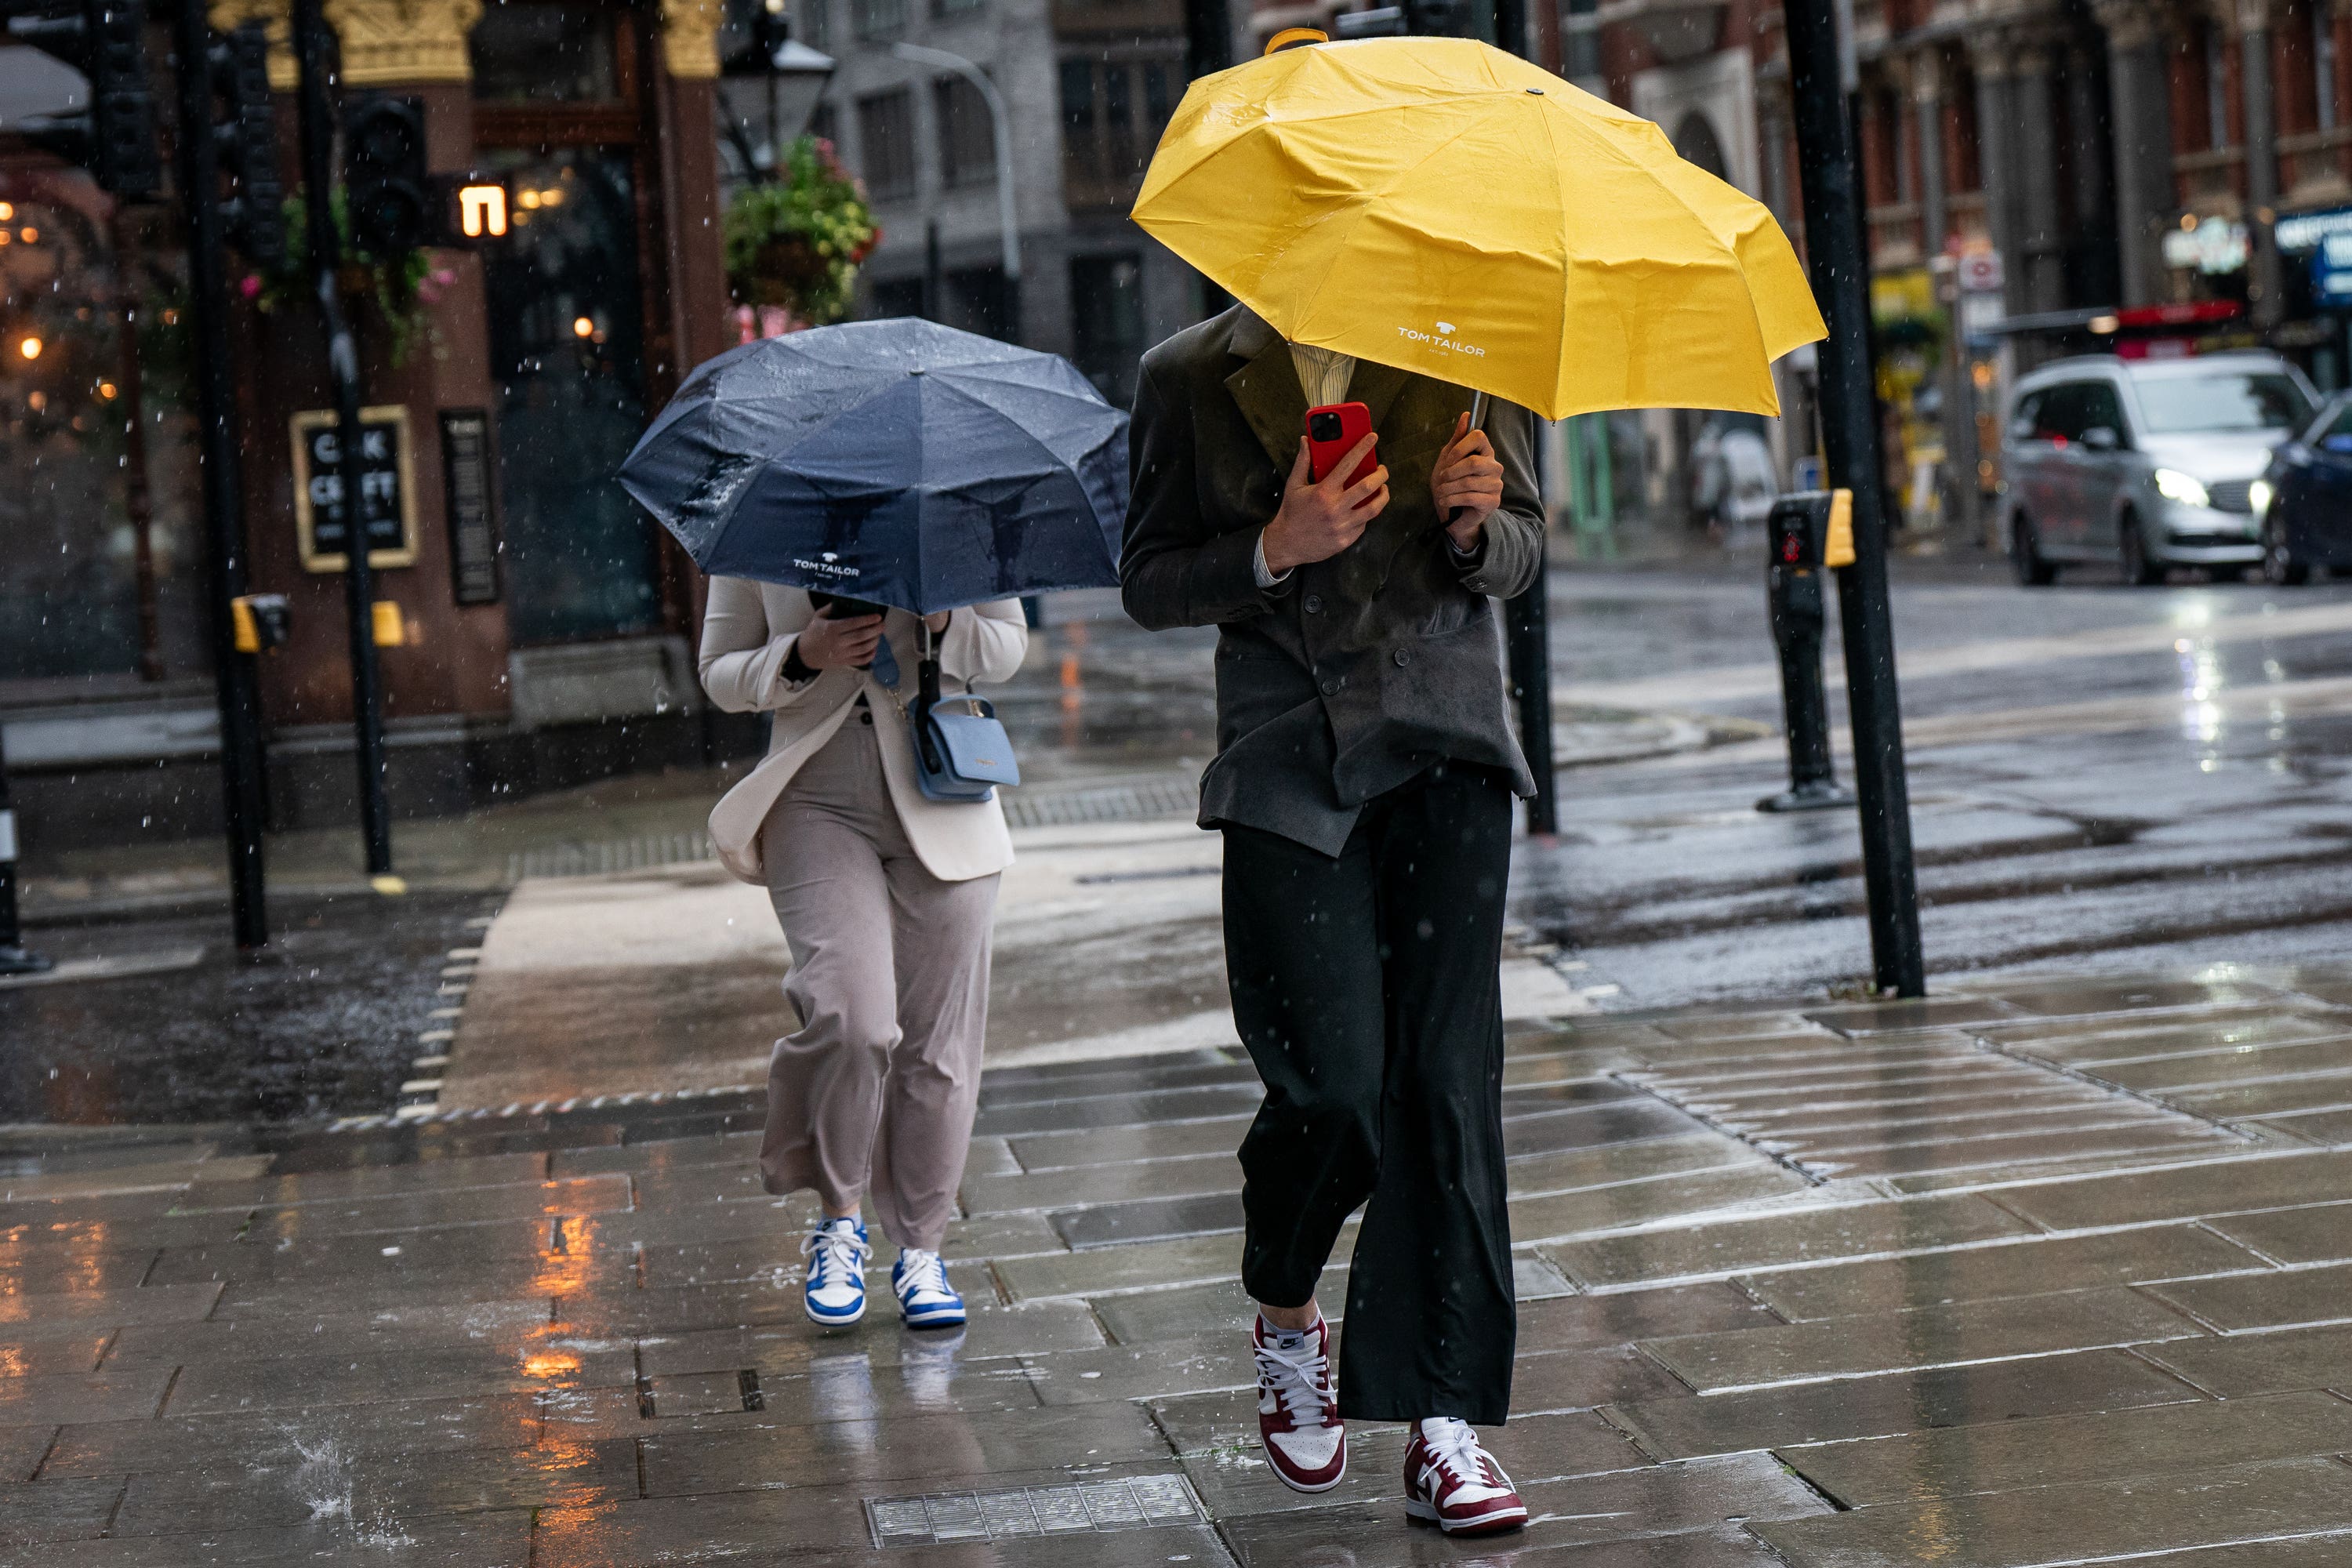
(1136, 1502)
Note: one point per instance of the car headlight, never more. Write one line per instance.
(2258, 497)
(2174, 484)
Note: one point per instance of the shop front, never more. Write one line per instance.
(545, 623)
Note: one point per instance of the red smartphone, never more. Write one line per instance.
(1330, 431)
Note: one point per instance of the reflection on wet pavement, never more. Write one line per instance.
(2045, 1271)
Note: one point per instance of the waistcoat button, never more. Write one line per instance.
(1331, 687)
(1314, 603)
(1401, 659)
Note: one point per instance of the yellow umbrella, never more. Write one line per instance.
(1441, 206)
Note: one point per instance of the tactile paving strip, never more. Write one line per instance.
(1134, 1502)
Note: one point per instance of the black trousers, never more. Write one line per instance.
(1368, 990)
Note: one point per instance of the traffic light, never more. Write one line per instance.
(383, 174)
(255, 212)
(114, 138)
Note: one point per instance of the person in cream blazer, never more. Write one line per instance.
(887, 899)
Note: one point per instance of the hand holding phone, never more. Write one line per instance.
(1332, 431)
(1319, 517)
(843, 635)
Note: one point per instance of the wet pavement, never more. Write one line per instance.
(2043, 1271)
(162, 1021)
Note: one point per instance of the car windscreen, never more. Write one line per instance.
(2223, 400)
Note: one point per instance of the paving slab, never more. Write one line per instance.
(401, 1491)
(2242, 1366)
(1737, 1246)
(2319, 1233)
(2101, 1520)
(107, 1306)
(1562, 1214)
(1575, 1170)
(791, 1346)
(471, 1541)
(1923, 1337)
(2282, 1299)
(893, 1454)
(32, 1515)
(1015, 1191)
(278, 1437)
(2257, 1181)
(2014, 1456)
(49, 1399)
(1897, 1403)
(1661, 1501)
(2026, 1268)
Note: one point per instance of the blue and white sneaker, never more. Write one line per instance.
(835, 1294)
(925, 1299)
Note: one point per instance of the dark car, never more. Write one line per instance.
(2305, 499)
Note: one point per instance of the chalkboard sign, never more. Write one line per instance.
(473, 525)
(388, 498)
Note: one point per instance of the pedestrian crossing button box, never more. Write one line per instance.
(261, 622)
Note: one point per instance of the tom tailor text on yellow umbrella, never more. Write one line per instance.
(1441, 206)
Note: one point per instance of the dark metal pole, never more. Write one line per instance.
(225, 548)
(137, 504)
(312, 42)
(1833, 249)
(14, 958)
(1208, 37)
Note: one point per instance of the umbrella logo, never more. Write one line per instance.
(1442, 338)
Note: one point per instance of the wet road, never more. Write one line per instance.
(2102, 777)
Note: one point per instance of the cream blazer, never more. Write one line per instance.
(747, 633)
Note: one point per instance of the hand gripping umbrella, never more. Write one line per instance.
(1438, 205)
(898, 461)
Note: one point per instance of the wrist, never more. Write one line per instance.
(1269, 548)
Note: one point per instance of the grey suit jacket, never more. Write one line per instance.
(1353, 674)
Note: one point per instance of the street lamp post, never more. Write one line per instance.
(1008, 216)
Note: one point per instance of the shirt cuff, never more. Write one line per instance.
(1264, 574)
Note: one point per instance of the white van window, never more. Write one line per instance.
(2223, 400)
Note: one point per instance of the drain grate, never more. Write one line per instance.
(1140, 800)
(1136, 1503)
(606, 856)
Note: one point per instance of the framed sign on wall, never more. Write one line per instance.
(388, 490)
(471, 487)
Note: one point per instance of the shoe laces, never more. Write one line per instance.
(1454, 1446)
(1297, 1382)
(923, 1271)
(836, 1254)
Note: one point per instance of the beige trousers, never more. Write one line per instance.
(874, 1096)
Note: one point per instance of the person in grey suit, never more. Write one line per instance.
(1363, 783)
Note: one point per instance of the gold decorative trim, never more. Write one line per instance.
(228, 16)
(401, 43)
(691, 37)
(404, 459)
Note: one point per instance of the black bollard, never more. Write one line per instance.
(1808, 532)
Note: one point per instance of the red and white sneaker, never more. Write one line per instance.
(1452, 1482)
(1298, 1413)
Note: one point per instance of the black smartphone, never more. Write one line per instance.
(835, 607)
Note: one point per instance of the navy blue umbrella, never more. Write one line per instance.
(900, 462)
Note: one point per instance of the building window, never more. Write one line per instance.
(886, 142)
(878, 19)
(2323, 67)
(1112, 113)
(528, 51)
(816, 24)
(898, 296)
(1078, 101)
(943, 9)
(2217, 91)
(1107, 313)
(967, 132)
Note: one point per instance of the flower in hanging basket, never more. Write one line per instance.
(795, 242)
